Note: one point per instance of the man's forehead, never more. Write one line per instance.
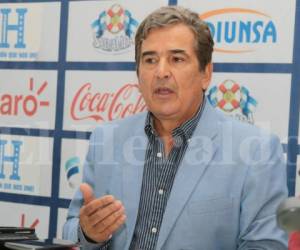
(171, 38)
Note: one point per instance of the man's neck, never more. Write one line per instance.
(165, 127)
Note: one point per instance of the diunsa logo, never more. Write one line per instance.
(238, 30)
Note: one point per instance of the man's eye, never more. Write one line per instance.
(178, 59)
(150, 60)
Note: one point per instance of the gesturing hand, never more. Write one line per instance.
(100, 218)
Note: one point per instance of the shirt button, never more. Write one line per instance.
(189, 140)
(159, 154)
(154, 230)
(161, 191)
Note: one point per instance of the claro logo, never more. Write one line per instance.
(237, 30)
(27, 104)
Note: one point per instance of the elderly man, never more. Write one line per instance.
(182, 176)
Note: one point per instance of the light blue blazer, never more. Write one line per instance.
(224, 195)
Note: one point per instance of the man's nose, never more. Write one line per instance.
(163, 70)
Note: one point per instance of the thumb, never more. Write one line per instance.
(87, 193)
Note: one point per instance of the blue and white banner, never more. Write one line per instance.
(29, 31)
(26, 165)
(28, 99)
(254, 98)
(245, 31)
(105, 30)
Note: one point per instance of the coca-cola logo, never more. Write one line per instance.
(106, 106)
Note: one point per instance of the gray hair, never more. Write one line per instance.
(170, 15)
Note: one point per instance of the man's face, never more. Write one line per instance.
(169, 76)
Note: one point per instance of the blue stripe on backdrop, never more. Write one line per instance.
(126, 66)
(69, 65)
(76, 134)
(294, 107)
(26, 131)
(172, 2)
(43, 132)
(29, 1)
(58, 119)
(29, 65)
(253, 67)
(130, 66)
(33, 200)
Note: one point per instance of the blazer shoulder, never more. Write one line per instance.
(242, 130)
(124, 126)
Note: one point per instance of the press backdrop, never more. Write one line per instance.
(66, 66)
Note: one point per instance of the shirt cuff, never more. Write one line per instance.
(86, 243)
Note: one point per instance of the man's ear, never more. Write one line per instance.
(207, 74)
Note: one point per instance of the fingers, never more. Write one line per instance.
(115, 208)
(112, 228)
(109, 223)
(87, 193)
(100, 218)
(97, 204)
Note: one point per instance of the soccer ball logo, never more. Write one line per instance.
(114, 30)
(233, 99)
(115, 19)
(229, 96)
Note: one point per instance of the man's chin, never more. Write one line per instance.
(165, 115)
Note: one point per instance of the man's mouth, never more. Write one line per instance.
(163, 91)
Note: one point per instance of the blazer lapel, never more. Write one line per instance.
(190, 170)
(132, 178)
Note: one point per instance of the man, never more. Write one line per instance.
(182, 176)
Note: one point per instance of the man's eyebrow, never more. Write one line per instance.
(175, 51)
(172, 51)
(149, 52)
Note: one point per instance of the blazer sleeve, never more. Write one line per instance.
(265, 186)
(70, 228)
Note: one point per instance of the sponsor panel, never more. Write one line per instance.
(94, 97)
(72, 158)
(61, 219)
(297, 185)
(244, 32)
(28, 98)
(21, 215)
(26, 165)
(105, 30)
(29, 31)
(254, 98)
